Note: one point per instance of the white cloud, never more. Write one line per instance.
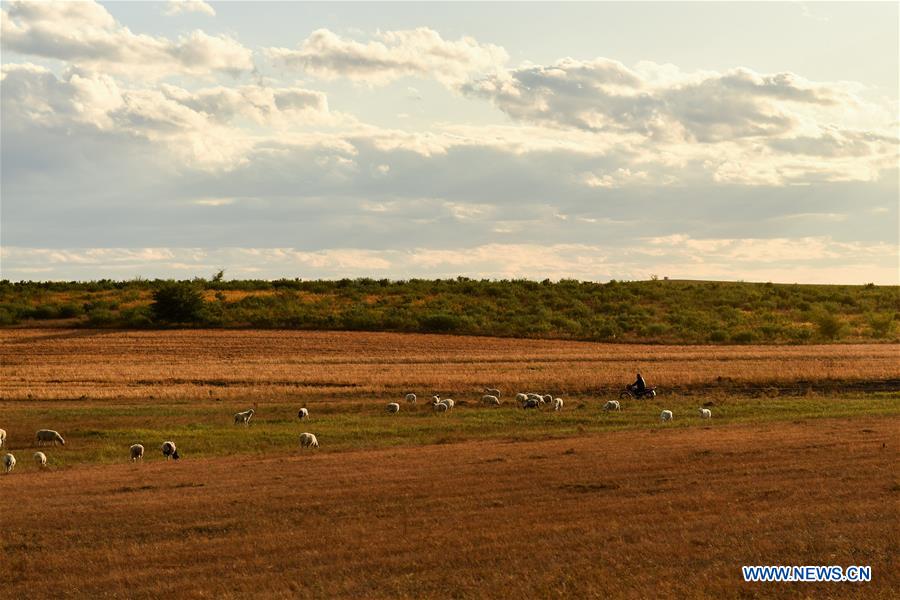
(177, 7)
(86, 35)
(738, 126)
(772, 250)
(821, 261)
(214, 201)
(420, 52)
(196, 126)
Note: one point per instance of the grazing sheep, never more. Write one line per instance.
(303, 414)
(533, 396)
(705, 413)
(411, 398)
(449, 402)
(438, 406)
(665, 415)
(490, 400)
(492, 392)
(40, 459)
(548, 399)
(137, 452)
(44, 436)
(2, 437)
(520, 397)
(9, 462)
(308, 440)
(531, 403)
(244, 417)
(168, 449)
(557, 404)
(612, 405)
(393, 408)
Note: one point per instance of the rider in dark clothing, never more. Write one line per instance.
(639, 386)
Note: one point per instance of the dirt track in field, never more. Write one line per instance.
(650, 514)
(97, 364)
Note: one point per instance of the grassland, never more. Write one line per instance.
(645, 514)
(109, 389)
(659, 311)
(797, 466)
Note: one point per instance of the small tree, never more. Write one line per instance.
(830, 327)
(177, 302)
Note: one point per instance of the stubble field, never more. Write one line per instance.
(797, 466)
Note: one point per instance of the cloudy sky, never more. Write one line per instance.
(595, 141)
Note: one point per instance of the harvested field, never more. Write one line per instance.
(98, 364)
(797, 466)
(651, 514)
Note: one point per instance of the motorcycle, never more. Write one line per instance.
(631, 393)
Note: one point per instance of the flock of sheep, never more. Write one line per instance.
(491, 397)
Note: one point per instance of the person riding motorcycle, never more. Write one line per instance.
(639, 386)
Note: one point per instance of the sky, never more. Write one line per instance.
(594, 141)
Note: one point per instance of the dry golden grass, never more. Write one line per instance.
(652, 514)
(68, 364)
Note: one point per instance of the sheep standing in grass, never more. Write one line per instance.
(492, 392)
(2, 437)
(490, 400)
(521, 398)
(244, 417)
(531, 403)
(547, 398)
(612, 405)
(557, 404)
(411, 398)
(44, 436)
(9, 462)
(308, 440)
(438, 406)
(393, 408)
(449, 402)
(303, 414)
(666, 415)
(169, 450)
(705, 413)
(40, 459)
(137, 452)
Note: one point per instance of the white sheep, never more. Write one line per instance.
(411, 398)
(40, 459)
(303, 414)
(308, 440)
(449, 402)
(244, 417)
(169, 450)
(9, 462)
(137, 452)
(439, 407)
(534, 396)
(520, 398)
(557, 404)
(44, 436)
(665, 415)
(705, 413)
(393, 408)
(612, 405)
(489, 400)
(492, 392)
(2, 437)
